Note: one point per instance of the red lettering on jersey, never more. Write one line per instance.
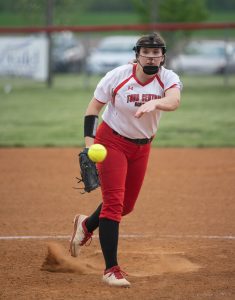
(133, 98)
(148, 97)
(141, 99)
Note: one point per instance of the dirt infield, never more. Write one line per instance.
(179, 242)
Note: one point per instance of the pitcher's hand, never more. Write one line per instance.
(146, 108)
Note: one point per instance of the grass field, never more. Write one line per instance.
(33, 115)
(77, 17)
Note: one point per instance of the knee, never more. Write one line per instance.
(127, 210)
(112, 212)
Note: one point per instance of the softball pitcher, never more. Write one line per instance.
(135, 96)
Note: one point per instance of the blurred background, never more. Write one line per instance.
(71, 63)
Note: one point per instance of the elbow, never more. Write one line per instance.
(177, 103)
(174, 105)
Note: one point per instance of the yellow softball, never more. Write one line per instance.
(97, 153)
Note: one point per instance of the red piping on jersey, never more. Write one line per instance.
(172, 86)
(119, 87)
(137, 80)
(160, 82)
(100, 101)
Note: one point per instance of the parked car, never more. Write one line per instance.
(205, 57)
(68, 53)
(111, 52)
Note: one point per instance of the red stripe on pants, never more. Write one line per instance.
(121, 173)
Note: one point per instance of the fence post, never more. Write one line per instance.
(49, 22)
(227, 57)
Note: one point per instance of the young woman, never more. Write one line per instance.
(135, 96)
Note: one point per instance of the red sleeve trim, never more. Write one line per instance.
(100, 101)
(172, 86)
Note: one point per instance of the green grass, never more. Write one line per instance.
(106, 18)
(222, 16)
(76, 17)
(222, 33)
(15, 20)
(205, 118)
(69, 18)
(34, 115)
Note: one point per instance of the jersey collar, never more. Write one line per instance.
(137, 80)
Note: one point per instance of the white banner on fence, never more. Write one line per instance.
(24, 56)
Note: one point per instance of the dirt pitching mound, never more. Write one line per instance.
(155, 263)
(145, 263)
(58, 260)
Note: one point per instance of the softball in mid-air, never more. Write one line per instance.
(97, 153)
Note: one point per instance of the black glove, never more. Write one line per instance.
(89, 172)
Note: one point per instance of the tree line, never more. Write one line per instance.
(117, 5)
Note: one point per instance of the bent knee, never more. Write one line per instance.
(127, 210)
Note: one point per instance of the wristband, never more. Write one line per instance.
(90, 125)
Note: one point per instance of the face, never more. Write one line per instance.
(150, 56)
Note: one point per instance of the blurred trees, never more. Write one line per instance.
(142, 6)
(109, 6)
(19, 5)
(148, 11)
(171, 10)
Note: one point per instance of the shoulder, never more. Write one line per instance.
(166, 73)
(169, 78)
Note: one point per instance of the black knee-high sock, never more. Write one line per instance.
(108, 234)
(93, 221)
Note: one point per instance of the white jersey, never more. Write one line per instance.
(124, 93)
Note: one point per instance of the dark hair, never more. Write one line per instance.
(153, 40)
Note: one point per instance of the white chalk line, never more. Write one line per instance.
(136, 236)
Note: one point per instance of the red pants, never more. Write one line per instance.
(121, 173)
